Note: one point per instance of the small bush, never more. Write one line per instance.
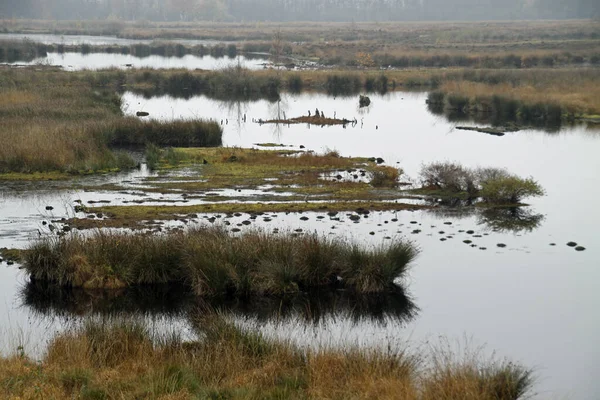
(494, 185)
(509, 190)
(448, 176)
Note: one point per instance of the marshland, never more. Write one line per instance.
(212, 209)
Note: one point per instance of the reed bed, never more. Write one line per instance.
(118, 358)
(55, 122)
(214, 262)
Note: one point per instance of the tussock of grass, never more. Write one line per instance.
(194, 133)
(213, 262)
(122, 359)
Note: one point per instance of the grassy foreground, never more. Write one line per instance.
(116, 359)
(213, 262)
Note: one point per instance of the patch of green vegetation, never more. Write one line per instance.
(293, 171)
(35, 176)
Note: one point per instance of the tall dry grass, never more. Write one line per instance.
(115, 358)
(53, 121)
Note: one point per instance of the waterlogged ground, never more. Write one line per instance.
(526, 299)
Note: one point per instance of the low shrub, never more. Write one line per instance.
(509, 190)
(493, 185)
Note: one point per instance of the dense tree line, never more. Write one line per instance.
(301, 10)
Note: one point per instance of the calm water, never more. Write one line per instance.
(91, 40)
(96, 61)
(530, 302)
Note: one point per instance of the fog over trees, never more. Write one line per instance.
(300, 10)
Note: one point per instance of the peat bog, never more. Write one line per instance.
(240, 233)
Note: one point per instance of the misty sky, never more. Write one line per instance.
(300, 10)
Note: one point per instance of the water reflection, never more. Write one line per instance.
(505, 219)
(510, 219)
(176, 301)
(499, 120)
(98, 61)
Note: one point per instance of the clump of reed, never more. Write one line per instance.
(385, 176)
(12, 51)
(132, 131)
(33, 147)
(213, 262)
(118, 358)
(493, 185)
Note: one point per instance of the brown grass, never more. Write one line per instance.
(117, 359)
(581, 97)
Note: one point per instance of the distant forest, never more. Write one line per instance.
(300, 10)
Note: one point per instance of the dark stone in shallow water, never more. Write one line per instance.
(354, 217)
(571, 244)
(447, 223)
(304, 218)
(467, 241)
(371, 233)
(49, 208)
(580, 248)
(470, 232)
(501, 245)
(413, 222)
(443, 239)
(235, 229)
(142, 114)
(246, 222)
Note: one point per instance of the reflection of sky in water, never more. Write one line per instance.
(529, 301)
(92, 40)
(95, 61)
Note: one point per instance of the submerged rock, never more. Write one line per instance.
(580, 248)
(571, 244)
